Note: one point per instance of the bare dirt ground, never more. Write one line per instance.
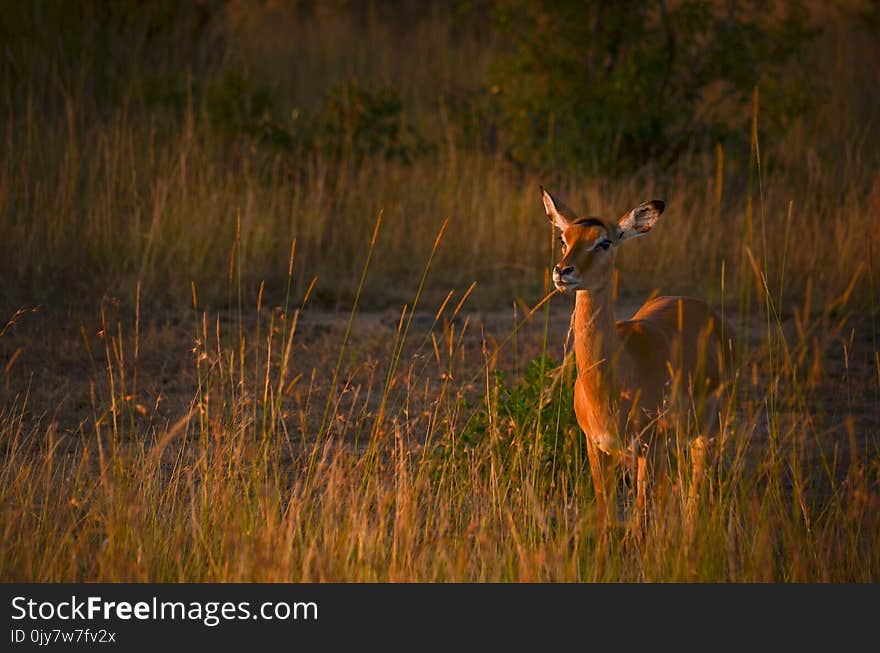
(59, 365)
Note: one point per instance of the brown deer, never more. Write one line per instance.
(630, 372)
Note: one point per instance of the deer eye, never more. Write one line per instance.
(604, 244)
(562, 245)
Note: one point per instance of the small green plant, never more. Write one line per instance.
(535, 410)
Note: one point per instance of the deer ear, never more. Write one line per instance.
(557, 212)
(640, 220)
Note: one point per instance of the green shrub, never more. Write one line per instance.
(352, 121)
(607, 86)
(361, 121)
(237, 108)
(536, 410)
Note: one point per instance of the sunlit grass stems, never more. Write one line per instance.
(330, 394)
(403, 328)
(222, 493)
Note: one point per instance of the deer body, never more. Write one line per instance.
(624, 375)
(628, 371)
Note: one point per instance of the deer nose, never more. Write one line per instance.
(562, 271)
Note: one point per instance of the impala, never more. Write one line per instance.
(629, 373)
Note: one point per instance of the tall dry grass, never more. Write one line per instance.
(273, 475)
(98, 198)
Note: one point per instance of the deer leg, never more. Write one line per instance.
(603, 472)
(712, 425)
(655, 478)
(641, 494)
(698, 474)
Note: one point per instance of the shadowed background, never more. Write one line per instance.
(141, 138)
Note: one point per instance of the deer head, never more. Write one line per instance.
(588, 244)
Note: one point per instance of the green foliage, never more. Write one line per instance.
(236, 108)
(609, 86)
(97, 49)
(359, 121)
(352, 121)
(535, 410)
(164, 91)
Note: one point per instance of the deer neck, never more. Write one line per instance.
(595, 341)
